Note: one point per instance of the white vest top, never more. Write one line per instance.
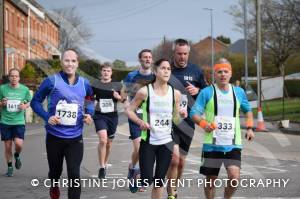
(161, 114)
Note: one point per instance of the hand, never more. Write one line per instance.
(4, 101)
(249, 135)
(210, 127)
(144, 125)
(87, 118)
(183, 113)
(191, 89)
(23, 106)
(54, 120)
(116, 95)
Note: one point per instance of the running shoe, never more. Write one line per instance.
(131, 172)
(102, 173)
(9, 172)
(133, 185)
(54, 192)
(18, 163)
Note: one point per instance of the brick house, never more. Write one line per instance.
(29, 33)
(203, 48)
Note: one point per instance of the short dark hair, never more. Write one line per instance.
(144, 51)
(158, 62)
(71, 49)
(180, 42)
(13, 69)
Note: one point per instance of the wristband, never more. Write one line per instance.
(249, 123)
(202, 123)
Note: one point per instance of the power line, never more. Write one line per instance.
(125, 15)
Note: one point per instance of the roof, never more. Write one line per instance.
(239, 46)
(20, 5)
(216, 41)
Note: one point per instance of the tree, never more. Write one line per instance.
(119, 64)
(90, 67)
(163, 49)
(225, 40)
(73, 31)
(279, 29)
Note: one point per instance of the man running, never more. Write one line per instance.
(216, 110)
(106, 115)
(188, 79)
(67, 94)
(14, 99)
(132, 83)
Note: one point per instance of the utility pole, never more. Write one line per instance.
(246, 43)
(212, 43)
(1, 39)
(164, 46)
(258, 53)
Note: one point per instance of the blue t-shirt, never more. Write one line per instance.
(135, 80)
(199, 109)
(57, 89)
(207, 93)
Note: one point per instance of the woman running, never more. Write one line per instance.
(160, 104)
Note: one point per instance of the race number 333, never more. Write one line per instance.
(67, 113)
(225, 130)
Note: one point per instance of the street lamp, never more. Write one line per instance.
(212, 43)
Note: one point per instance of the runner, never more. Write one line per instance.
(188, 79)
(221, 104)
(66, 93)
(160, 104)
(132, 83)
(15, 98)
(106, 115)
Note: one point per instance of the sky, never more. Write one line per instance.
(121, 28)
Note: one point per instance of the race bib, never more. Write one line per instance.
(161, 122)
(184, 102)
(224, 133)
(106, 105)
(13, 105)
(67, 113)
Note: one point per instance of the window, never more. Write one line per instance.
(6, 19)
(22, 31)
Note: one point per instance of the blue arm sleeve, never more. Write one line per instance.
(40, 95)
(201, 101)
(89, 103)
(245, 105)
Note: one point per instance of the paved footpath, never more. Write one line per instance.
(272, 158)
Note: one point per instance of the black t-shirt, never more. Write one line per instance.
(105, 101)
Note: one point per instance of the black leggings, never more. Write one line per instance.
(148, 154)
(72, 149)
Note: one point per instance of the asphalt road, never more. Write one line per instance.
(270, 168)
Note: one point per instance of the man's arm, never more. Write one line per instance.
(197, 110)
